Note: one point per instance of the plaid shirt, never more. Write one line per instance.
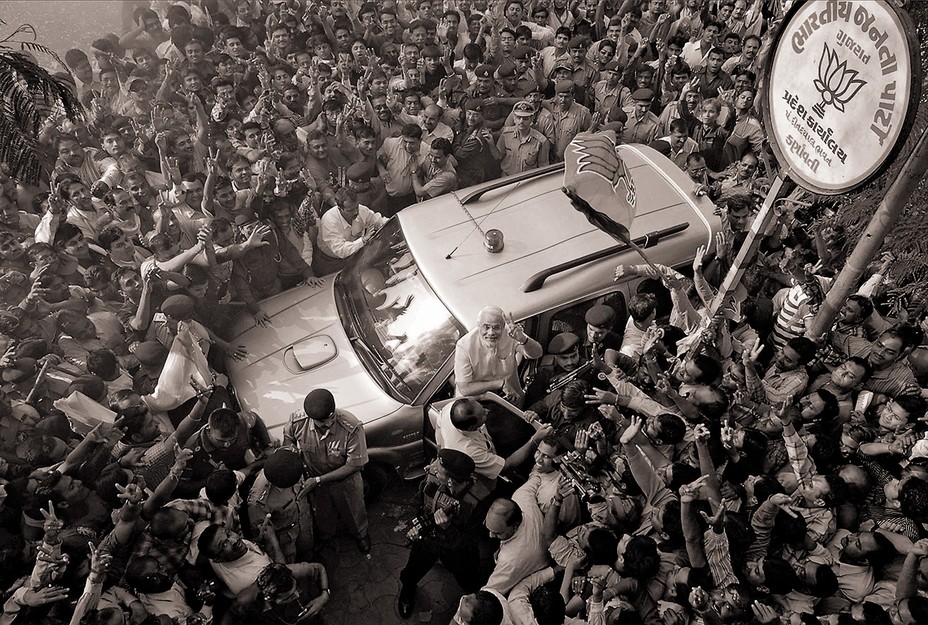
(172, 552)
(875, 504)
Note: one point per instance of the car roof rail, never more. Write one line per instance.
(651, 239)
(478, 192)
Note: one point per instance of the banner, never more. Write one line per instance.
(594, 173)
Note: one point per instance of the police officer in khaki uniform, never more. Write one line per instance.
(521, 146)
(334, 450)
(275, 499)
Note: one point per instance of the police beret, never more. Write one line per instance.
(474, 104)
(319, 404)
(456, 463)
(600, 316)
(613, 66)
(151, 353)
(563, 343)
(484, 71)
(506, 70)
(643, 95)
(578, 41)
(178, 307)
(563, 64)
(522, 52)
(283, 468)
(564, 86)
(358, 173)
(616, 114)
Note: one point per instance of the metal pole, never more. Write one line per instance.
(751, 243)
(883, 220)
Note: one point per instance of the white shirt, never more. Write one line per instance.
(242, 573)
(339, 239)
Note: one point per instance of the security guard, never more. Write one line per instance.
(484, 90)
(565, 351)
(447, 527)
(600, 337)
(275, 499)
(521, 146)
(334, 450)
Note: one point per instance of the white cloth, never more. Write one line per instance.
(339, 239)
(477, 444)
(525, 552)
(242, 573)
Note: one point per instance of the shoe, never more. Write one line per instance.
(364, 545)
(406, 600)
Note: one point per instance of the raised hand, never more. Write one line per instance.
(632, 431)
(697, 261)
(692, 491)
(52, 524)
(717, 519)
(749, 355)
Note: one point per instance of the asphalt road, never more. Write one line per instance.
(364, 591)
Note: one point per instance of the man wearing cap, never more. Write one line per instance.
(522, 147)
(474, 148)
(564, 350)
(600, 337)
(542, 121)
(370, 191)
(275, 499)
(505, 88)
(435, 175)
(447, 526)
(570, 117)
(333, 447)
(585, 74)
(526, 71)
(610, 92)
(642, 125)
(483, 89)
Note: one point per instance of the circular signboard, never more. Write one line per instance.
(841, 91)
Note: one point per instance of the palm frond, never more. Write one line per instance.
(29, 95)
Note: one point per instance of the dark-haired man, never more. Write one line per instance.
(435, 175)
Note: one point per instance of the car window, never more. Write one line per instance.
(401, 331)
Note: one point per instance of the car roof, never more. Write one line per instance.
(541, 230)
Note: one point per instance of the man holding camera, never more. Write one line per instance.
(447, 527)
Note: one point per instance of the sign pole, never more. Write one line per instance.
(883, 220)
(751, 243)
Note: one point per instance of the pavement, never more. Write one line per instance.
(364, 591)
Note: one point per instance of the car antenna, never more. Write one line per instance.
(469, 216)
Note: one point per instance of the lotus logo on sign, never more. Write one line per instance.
(836, 82)
(841, 91)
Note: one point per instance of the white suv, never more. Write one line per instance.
(381, 334)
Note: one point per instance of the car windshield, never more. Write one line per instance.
(399, 328)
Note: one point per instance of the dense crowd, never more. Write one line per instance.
(684, 467)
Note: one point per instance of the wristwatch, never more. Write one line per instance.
(318, 481)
